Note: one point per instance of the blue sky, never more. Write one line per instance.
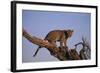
(39, 23)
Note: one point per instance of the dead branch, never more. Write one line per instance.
(85, 51)
(62, 53)
(39, 42)
(44, 43)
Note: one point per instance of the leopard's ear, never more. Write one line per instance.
(72, 30)
(69, 30)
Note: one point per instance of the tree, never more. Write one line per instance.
(61, 53)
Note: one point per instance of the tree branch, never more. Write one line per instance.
(61, 53)
(40, 42)
(44, 43)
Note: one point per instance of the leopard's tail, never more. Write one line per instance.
(37, 51)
